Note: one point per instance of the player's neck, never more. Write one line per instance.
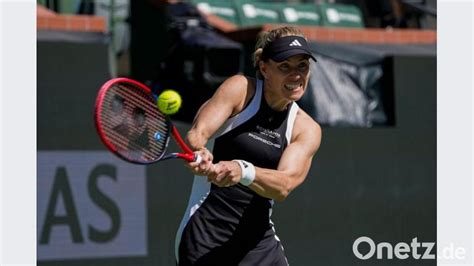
(276, 103)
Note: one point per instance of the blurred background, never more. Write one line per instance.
(373, 90)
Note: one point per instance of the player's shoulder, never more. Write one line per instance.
(306, 127)
(239, 89)
(238, 81)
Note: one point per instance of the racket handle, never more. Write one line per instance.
(197, 158)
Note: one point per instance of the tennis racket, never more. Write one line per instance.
(132, 127)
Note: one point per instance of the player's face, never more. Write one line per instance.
(289, 78)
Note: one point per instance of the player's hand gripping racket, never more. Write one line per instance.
(131, 125)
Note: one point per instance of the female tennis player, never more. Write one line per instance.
(263, 148)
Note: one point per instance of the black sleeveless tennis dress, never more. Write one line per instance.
(232, 225)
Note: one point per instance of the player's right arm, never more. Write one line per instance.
(228, 100)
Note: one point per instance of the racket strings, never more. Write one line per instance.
(135, 137)
(133, 124)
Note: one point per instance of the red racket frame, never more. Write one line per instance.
(188, 154)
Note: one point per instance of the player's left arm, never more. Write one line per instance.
(292, 168)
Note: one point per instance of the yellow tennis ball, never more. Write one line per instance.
(169, 102)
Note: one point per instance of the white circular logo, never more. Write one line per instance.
(333, 15)
(290, 14)
(249, 10)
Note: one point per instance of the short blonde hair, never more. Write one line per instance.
(266, 37)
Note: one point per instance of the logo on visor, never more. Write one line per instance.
(295, 43)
